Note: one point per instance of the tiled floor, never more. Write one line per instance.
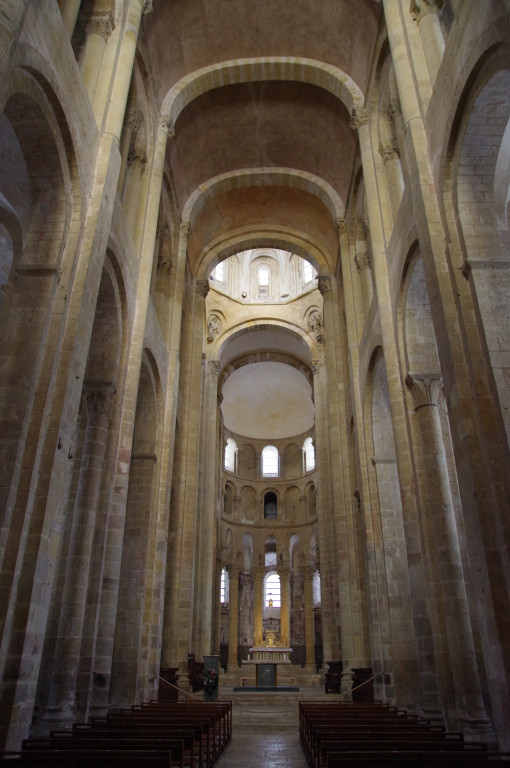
(263, 749)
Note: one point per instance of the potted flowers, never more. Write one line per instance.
(210, 684)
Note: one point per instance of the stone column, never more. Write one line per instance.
(69, 10)
(233, 618)
(447, 584)
(403, 521)
(100, 25)
(97, 403)
(362, 261)
(258, 578)
(111, 98)
(309, 618)
(284, 573)
(394, 176)
(208, 500)
(131, 124)
(478, 444)
(426, 14)
(173, 330)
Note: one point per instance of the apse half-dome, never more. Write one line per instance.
(267, 400)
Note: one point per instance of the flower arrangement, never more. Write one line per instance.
(210, 677)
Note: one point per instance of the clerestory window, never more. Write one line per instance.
(270, 461)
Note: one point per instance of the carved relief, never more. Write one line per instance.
(214, 326)
(315, 324)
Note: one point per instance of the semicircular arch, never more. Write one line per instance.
(292, 68)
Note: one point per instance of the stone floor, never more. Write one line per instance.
(263, 749)
(265, 730)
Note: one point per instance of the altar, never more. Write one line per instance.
(266, 658)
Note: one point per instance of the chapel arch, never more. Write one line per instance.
(37, 181)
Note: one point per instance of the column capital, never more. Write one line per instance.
(100, 23)
(362, 261)
(359, 117)
(133, 119)
(146, 6)
(324, 284)
(202, 287)
(214, 367)
(393, 112)
(97, 397)
(421, 8)
(166, 125)
(185, 229)
(424, 389)
(388, 152)
(341, 226)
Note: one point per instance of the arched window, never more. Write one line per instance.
(224, 585)
(272, 591)
(263, 282)
(230, 455)
(270, 461)
(309, 454)
(316, 586)
(270, 506)
(219, 272)
(307, 272)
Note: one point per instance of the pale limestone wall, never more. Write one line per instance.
(113, 523)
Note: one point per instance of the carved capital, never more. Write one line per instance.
(324, 285)
(133, 119)
(362, 261)
(388, 152)
(424, 389)
(97, 397)
(393, 112)
(315, 367)
(185, 229)
(100, 23)
(203, 288)
(421, 8)
(341, 226)
(166, 126)
(146, 6)
(214, 367)
(359, 117)
(163, 231)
